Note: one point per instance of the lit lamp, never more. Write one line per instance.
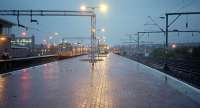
(50, 37)
(173, 46)
(103, 30)
(83, 8)
(56, 33)
(45, 41)
(23, 34)
(3, 38)
(94, 30)
(102, 7)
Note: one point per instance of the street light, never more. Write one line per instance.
(102, 7)
(83, 8)
(103, 30)
(51, 39)
(45, 41)
(99, 39)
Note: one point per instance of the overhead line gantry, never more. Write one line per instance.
(31, 13)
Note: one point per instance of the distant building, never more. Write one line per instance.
(27, 42)
(22, 44)
(14, 46)
(5, 27)
(45, 49)
(103, 48)
(195, 44)
(5, 36)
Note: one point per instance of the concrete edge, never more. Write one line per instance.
(180, 86)
(19, 70)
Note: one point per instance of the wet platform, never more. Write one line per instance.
(115, 82)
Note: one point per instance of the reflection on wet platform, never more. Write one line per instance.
(115, 82)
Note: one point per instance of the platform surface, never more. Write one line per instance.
(115, 82)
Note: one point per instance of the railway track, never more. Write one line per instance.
(185, 70)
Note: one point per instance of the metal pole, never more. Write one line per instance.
(166, 45)
(91, 49)
(93, 38)
(98, 47)
(138, 45)
(129, 46)
(138, 40)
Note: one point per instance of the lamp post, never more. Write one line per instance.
(99, 39)
(103, 8)
(98, 43)
(53, 36)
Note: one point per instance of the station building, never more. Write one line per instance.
(15, 47)
(22, 44)
(5, 36)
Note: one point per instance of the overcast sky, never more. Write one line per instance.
(124, 17)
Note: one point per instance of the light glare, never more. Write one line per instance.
(2, 38)
(83, 8)
(103, 8)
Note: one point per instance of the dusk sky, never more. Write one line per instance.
(124, 17)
